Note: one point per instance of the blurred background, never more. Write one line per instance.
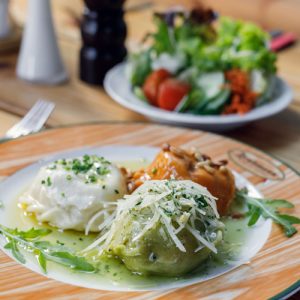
(78, 102)
(271, 14)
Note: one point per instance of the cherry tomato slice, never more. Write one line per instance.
(171, 92)
(152, 83)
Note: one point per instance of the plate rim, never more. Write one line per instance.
(6, 140)
(159, 114)
(290, 290)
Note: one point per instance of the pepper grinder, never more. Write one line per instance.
(39, 59)
(103, 31)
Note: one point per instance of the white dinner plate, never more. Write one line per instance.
(119, 88)
(14, 185)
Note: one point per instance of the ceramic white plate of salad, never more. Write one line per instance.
(195, 71)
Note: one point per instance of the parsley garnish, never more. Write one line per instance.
(92, 178)
(44, 250)
(91, 166)
(201, 201)
(85, 164)
(81, 166)
(49, 182)
(268, 208)
(63, 162)
(102, 171)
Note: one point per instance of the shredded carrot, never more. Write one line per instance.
(242, 98)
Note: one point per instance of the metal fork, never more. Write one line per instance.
(33, 121)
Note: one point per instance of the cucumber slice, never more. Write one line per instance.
(183, 105)
(258, 82)
(140, 94)
(270, 90)
(215, 106)
(188, 75)
(211, 83)
(190, 101)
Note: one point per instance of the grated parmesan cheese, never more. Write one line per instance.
(175, 204)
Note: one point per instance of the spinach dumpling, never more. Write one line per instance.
(166, 227)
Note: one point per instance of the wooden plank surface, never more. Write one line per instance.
(7, 121)
(77, 102)
(273, 269)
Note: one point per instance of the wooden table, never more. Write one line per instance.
(77, 102)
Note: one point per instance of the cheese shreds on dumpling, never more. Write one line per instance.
(175, 204)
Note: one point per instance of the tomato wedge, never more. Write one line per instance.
(171, 92)
(152, 83)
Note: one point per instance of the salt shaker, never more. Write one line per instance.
(39, 59)
(103, 31)
(5, 26)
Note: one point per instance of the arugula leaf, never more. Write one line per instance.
(8, 246)
(42, 261)
(16, 252)
(34, 233)
(29, 234)
(277, 203)
(254, 216)
(44, 250)
(72, 261)
(45, 245)
(268, 208)
(291, 219)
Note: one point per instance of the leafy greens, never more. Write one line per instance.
(43, 250)
(230, 44)
(268, 208)
(190, 45)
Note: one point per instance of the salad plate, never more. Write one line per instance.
(119, 88)
(265, 250)
(197, 70)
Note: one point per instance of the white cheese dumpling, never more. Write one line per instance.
(75, 193)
